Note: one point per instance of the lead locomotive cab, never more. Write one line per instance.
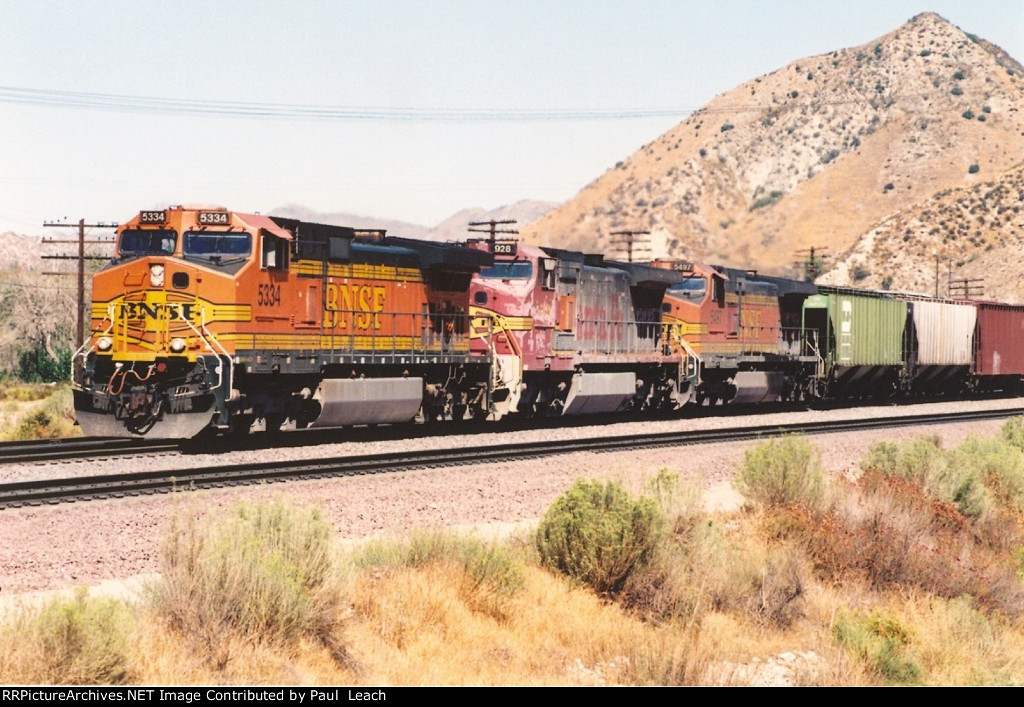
(154, 363)
(212, 318)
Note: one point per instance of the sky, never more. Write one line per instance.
(401, 109)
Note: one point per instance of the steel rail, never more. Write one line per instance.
(48, 491)
(72, 448)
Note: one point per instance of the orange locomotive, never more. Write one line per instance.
(741, 332)
(211, 318)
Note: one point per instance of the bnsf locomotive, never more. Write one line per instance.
(211, 319)
(208, 317)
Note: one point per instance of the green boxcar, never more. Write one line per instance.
(856, 330)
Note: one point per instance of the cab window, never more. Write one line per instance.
(148, 242)
(515, 270)
(275, 252)
(211, 244)
(693, 288)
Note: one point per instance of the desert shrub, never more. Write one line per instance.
(53, 418)
(764, 585)
(776, 591)
(772, 198)
(697, 568)
(782, 471)
(262, 574)
(598, 535)
(881, 641)
(488, 575)
(681, 504)
(973, 169)
(1012, 432)
(78, 641)
(997, 463)
(946, 476)
(890, 532)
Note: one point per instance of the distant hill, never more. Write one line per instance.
(19, 252)
(453, 228)
(825, 152)
(394, 227)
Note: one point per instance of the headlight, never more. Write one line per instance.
(104, 343)
(156, 275)
(177, 345)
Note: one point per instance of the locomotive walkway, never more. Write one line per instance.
(50, 491)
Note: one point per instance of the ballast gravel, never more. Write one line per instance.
(60, 546)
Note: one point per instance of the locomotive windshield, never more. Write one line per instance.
(212, 244)
(693, 288)
(514, 270)
(156, 242)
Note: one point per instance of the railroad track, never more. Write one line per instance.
(79, 448)
(49, 491)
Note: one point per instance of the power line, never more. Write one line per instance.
(313, 112)
(154, 104)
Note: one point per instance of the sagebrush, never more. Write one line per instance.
(599, 535)
(83, 640)
(264, 573)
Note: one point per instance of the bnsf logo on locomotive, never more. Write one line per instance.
(358, 304)
(157, 310)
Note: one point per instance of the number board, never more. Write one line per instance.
(213, 218)
(682, 266)
(152, 216)
(505, 248)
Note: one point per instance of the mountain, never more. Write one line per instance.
(823, 152)
(392, 226)
(453, 228)
(522, 212)
(18, 252)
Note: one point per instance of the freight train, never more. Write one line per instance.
(213, 320)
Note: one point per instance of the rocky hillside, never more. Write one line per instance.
(974, 233)
(823, 152)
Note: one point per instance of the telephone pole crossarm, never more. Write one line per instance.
(81, 258)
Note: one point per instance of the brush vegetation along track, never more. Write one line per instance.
(116, 485)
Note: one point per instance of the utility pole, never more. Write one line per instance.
(812, 261)
(629, 238)
(966, 288)
(492, 229)
(81, 258)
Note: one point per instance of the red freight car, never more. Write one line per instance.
(999, 347)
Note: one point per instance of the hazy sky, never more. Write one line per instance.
(428, 106)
